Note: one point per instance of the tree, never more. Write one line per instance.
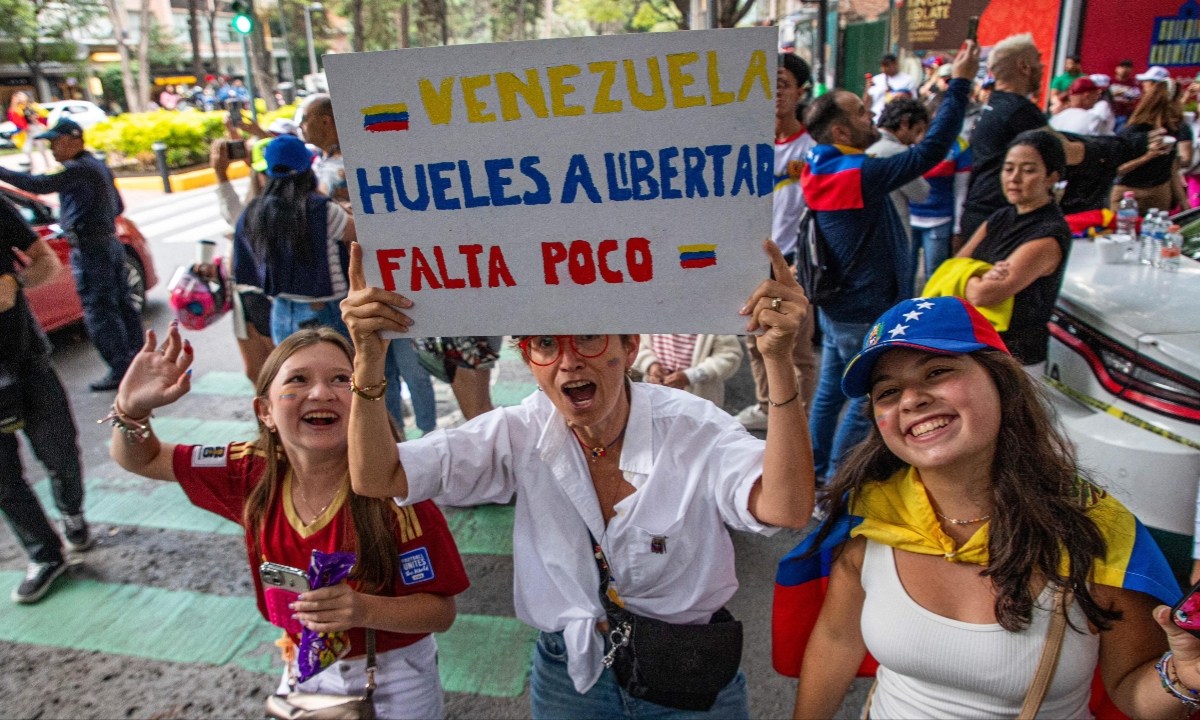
(260, 60)
(194, 36)
(116, 15)
(143, 91)
(36, 32)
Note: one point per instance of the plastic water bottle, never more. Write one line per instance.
(1127, 215)
(1145, 254)
(1157, 236)
(1172, 248)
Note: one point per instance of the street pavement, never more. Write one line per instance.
(158, 620)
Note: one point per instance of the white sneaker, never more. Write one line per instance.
(752, 418)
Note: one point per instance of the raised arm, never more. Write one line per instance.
(375, 469)
(38, 184)
(155, 378)
(783, 496)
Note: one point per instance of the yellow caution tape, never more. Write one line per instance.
(1118, 413)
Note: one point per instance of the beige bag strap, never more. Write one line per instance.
(1049, 660)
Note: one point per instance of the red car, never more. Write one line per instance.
(55, 303)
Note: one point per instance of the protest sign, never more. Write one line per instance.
(602, 184)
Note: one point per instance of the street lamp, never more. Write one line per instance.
(312, 51)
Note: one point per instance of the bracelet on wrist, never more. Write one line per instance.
(1172, 686)
(790, 400)
(369, 392)
(134, 431)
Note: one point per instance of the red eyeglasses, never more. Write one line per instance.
(547, 349)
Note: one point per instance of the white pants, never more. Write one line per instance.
(407, 686)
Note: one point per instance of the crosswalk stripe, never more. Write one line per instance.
(483, 530)
(480, 654)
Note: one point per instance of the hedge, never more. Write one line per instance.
(127, 138)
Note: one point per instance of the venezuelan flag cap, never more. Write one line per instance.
(942, 325)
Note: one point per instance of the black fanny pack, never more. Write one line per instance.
(678, 666)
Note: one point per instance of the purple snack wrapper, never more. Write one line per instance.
(319, 650)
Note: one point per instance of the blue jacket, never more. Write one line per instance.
(88, 199)
(848, 191)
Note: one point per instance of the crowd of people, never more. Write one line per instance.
(964, 537)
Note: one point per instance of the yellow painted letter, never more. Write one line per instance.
(604, 99)
(439, 103)
(509, 86)
(657, 99)
(718, 96)
(756, 70)
(477, 111)
(680, 80)
(560, 89)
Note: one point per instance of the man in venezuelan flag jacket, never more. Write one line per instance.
(848, 191)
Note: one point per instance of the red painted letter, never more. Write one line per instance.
(498, 269)
(581, 264)
(451, 283)
(553, 253)
(421, 270)
(471, 253)
(639, 260)
(603, 250)
(389, 262)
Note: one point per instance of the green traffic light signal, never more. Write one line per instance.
(243, 24)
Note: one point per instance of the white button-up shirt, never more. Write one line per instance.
(692, 467)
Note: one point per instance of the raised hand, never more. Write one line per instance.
(157, 376)
(777, 307)
(367, 311)
(966, 63)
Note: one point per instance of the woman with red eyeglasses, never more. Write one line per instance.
(625, 492)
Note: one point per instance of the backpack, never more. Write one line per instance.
(821, 283)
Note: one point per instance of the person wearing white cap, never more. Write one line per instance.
(1152, 176)
(1103, 109)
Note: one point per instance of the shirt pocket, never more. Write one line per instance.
(652, 557)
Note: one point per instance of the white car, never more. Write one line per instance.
(1123, 365)
(83, 112)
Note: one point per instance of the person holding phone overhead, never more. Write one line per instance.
(289, 489)
(971, 555)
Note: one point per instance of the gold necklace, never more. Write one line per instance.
(308, 504)
(956, 521)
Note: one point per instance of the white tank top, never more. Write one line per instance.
(935, 667)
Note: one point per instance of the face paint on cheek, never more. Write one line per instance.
(612, 363)
(288, 396)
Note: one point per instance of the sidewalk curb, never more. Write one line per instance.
(183, 181)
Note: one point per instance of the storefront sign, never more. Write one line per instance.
(1176, 38)
(937, 24)
(604, 184)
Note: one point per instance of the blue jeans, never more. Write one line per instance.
(50, 429)
(936, 243)
(114, 324)
(553, 696)
(402, 363)
(840, 341)
(288, 316)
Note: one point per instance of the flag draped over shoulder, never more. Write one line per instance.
(832, 178)
(898, 513)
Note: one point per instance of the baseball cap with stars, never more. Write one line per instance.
(941, 325)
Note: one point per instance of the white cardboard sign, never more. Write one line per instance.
(603, 184)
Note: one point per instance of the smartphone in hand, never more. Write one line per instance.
(236, 149)
(1186, 613)
(235, 112)
(281, 586)
(973, 27)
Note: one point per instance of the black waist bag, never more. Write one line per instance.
(678, 666)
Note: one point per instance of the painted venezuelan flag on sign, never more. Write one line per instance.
(385, 118)
(892, 513)
(697, 256)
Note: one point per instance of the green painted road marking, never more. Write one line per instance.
(486, 655)
(144, 503)
(482, 655)
(482, 530)
(195, 431)
(511, 393)
(218, 382)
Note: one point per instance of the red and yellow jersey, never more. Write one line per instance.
(218, 479)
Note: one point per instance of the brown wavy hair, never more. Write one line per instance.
(1039, 500)
(1158, 108)
(373, 519)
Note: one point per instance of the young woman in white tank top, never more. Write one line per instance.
(967, 516)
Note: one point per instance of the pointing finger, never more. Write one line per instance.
(358, 279)
(779, 266)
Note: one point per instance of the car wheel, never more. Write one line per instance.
(135, 279)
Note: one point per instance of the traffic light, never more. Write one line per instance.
(243, 21)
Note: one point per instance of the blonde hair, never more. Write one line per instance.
(1002, 61)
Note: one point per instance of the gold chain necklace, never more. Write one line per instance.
(956, 521)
